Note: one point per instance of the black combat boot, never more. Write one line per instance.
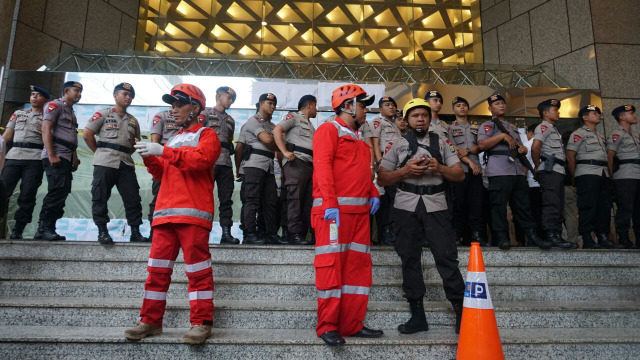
(136, 236)
(38, 234)
(226, 237)
(623, 241)
(556, 240)
(502, 240)
(587, 241)
(388, 237)
(533, 238)
(478, 236)
(16, 232)
(457, 309)
(603, 241)
(49, 231)
(418, 320)
(252, 239)
(285, 234)
(103, 235)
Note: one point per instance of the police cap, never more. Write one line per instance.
(127, 87)
(40, 90)
(227, 90)
(620, 109)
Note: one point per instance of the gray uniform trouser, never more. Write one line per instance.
(260, 193)
(298, 176)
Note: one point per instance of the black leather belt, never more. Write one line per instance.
(293, 147)
(268, 154)
(555, 160)
(500, 152)
(69, 145)
(27, 145)
(421, 189)
(124, 149)
(228, 146)
(629, 161)
(592, 162)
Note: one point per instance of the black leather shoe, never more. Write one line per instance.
(457, 309)
(588, 243)
(533, 238)
(556, 240)
(16, 232)
(298, 239)
(388, 237)
(103, 235)
(603, 241)
(503, 241)
(275, 239)
(332, 338)
(368, 333)
(136, 236)
(252, 239)
(478, 236)
(226, 237)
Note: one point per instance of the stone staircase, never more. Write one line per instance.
(75, 299)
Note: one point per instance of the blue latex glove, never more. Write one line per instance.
(332, 214)
(375, 205)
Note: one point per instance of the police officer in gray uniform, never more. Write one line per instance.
(467, 201)
(260, 190)
(435, 102)
(385, 133)
(294, 137)
(112, 164)
(163, 127)
(587, 163)
(623, 151)
(24, 134)
(507, 181)
(548, 157)
(224, 125)
(59, 157)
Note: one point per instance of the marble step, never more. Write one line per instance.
(97, 269)
(277, 290)
(64, 342)
(256, 254)
(115, 312)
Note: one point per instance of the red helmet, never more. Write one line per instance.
(348, 92)
(186, 93)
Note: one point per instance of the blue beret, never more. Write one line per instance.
(549, 103)
(620, 109)
(496, 97)
(459, 99)
(72, 84)
(305, 99)
(40, 90)
(585, 110)
(433, 94)
(127, 87)
(227, 90)
(268, 96)
(385, 99)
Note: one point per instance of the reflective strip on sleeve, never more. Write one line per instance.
(344, 201)
(345, 131)
(201, 295)
(155, 295)
(356, 290)
(183, 212)
(325, 294)
(160, 263)
(198, 266)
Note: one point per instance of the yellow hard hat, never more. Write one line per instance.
(415, 103)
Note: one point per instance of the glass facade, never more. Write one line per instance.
(410, 31)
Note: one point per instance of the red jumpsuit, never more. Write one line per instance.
(342, 179)
(182, 219)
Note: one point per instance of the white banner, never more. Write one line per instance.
(476, 291)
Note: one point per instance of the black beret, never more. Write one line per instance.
(268, 96)
(433, 94)
(620, 109)
(585, 110)
(549, 103)
(40, 90)
(496, 97)
(127, 87)
(72, 84)
(227, 90)
(459, 99)
(385, 99)
(305, 99)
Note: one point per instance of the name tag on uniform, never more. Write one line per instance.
(458, 133)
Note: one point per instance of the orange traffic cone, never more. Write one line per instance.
(479, 338)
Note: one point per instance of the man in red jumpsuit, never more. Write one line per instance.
(182, 216)
(343, 196)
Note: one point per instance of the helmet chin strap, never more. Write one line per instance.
(352, 112)
(418, 132)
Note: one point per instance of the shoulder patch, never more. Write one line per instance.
(615, 137)
(487, 128)
(156, 119)
(543, 128)
(388, 147)
(201, 117)
(13, 116)
(52, 106)
(576, 138)
(376, 123)
(289, 116)
(96, 116)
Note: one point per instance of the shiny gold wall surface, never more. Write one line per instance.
(413, 31)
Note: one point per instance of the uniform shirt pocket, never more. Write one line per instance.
(592, 145)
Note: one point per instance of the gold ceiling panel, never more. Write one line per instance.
(373, 30)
